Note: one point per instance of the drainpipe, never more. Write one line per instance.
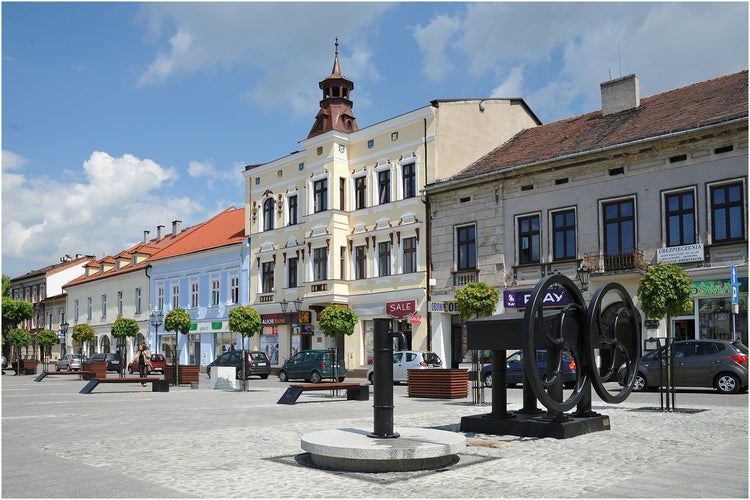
(428, 239)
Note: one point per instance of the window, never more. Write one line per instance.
(320, 190)
(342, 262)
(410, 180)
(160, 298)
(119, 304)
(292, 264)
(384, 186)
(466, 242)
(267, 277)
(342, 193)
(268, 208)
(410, 255)
(528, 239)
(104, 305)
(138, 304)
(680, 218)
(564, 235)
(360, 192)
(360, 262)
(75, 311)
(175, 296)
(234, 286)
(619, 227)
(320, 264)
(292, 207)
(727, 217)
(194, 294)
(384, 258)
(215, 292)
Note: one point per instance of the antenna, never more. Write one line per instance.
(619, 62)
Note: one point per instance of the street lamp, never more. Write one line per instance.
(156, 319)
(584, 274)
(64, 330)
(284, 307)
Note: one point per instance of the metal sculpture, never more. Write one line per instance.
(598, 344)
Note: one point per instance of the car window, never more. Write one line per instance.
(706, 348)
(258, 356)
(541, 356)
(431, 357)
(683, 350)
(411, 356)
(516, 357)
(397, 357)
(739, 347)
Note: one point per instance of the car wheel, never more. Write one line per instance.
(727, 383)
(57, 368)
(239, 374)
(488, 380)
(341, 379)
(315, 378)
(208, 371)
(282, 376)
(371, 377)
(639, 384)
(264, 376)
(130, 370)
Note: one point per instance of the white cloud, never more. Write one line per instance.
(512, 86)
(208, 171)
(12, 161)
(433, 41)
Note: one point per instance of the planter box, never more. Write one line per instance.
(189, 374)
(438, 383)
(98, 370)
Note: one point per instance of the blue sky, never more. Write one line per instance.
(118, 117)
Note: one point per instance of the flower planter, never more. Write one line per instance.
(189, 374)
(97, 370)
(438, 383)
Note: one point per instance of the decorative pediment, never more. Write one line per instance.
(408, 218)
(359, 227)
(383, 223)
(267, 246)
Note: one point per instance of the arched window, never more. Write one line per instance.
(268, 208)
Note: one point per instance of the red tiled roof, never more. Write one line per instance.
(226, 228)
(707, 103)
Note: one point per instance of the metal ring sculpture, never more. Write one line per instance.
(586, 334)
(567, 334)
(618, 336)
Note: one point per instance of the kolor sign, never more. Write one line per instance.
(401, 309)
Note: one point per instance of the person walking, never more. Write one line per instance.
(144, 361)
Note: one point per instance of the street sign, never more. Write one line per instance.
(733, 275)
(735, 294)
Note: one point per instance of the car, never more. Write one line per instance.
(716, 363)
(403, 361)
(514, 369)
(70, 362)
(112, 359)
(312, 365)
(256, 363)
(158, 363)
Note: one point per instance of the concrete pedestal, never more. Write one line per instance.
(223, 377)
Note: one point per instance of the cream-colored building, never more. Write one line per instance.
(344, 219)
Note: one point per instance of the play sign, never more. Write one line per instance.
(401, 309)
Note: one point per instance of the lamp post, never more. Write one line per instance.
(156, 318)
(284, 307)
(64, 330)
(584, 274)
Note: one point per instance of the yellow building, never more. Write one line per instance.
(343, 220)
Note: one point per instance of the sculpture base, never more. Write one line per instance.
(535, 425)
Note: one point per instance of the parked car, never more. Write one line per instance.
(158, 363)
(403, 361)
(514, 369)
(312, 365)
(256, 363)
(721, 364)
(112, 359)
(70, 362)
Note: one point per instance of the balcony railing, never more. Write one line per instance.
(614, 262)
(461, 278)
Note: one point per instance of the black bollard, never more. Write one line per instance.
(383, 379)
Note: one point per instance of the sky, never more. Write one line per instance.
(118, 117)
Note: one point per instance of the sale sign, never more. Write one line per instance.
(401, 309)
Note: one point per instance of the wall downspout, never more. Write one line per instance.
(428, 246)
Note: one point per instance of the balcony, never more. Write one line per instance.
(462, 278)
(615, 262)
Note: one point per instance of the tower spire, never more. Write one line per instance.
(335, 107)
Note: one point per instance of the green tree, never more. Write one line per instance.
(177, 320)
(246, 321)
(121, 329)
(83, 332)
(477, 299)
(665, 290)
(46, 338)
(18, 337)
(336, 321)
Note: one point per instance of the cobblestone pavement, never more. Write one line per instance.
(226, 444)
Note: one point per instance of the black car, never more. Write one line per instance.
(113, 360)
(256, 363)
(514, 369)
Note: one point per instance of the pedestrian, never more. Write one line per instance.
(144, 361)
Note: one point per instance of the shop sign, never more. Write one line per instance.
(682, 253)
(209, 326)
(718, 287)
(444, 307)
(274, 319)
(516, 299)
(401, 309)
(415, 319)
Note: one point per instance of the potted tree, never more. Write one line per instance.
(178, 321)
(18, 337)
(124, 328)
(46, 338)
(83, 332)
(336, 321)
(246, 321)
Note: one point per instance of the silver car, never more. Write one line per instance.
(721, 364)
(403, 361)
(69, 362)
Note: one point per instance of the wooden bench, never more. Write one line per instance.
(80, 373)
(157, 384)
(354, 391)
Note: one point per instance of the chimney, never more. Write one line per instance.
(620, 95)
(159, 233)
(145, 236)
(176, 227)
